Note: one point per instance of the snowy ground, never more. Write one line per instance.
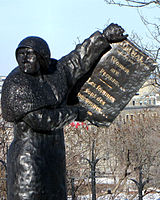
(124, 197)
(121, 197)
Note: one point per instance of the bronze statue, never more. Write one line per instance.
(39, 97)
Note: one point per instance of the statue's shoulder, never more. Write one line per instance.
(13, 75)
(15, 81)
(15, 71)
(16, 78)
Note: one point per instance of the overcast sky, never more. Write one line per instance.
(62, 23)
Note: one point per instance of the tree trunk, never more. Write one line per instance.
(93, 173)
(93, 182)
(73, 189)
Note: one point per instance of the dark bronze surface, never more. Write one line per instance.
(39, 97)
(117, 77)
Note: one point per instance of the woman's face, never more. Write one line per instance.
(28, 61)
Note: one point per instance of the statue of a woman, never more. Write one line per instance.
(35, 97)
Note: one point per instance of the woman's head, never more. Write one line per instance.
(31, 52)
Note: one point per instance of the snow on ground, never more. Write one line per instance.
(121, 197)
(125, 197)
(105, 180)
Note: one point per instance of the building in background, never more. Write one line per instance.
(148, 95)
(147, 98)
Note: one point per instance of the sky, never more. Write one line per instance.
(62, 23)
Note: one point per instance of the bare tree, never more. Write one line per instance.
(134, 3)
(5, 139)
(152, 44)
(84, 149)
(76, 148)
(129, 151)
(136, 146)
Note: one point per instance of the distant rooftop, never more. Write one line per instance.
(148, 95)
